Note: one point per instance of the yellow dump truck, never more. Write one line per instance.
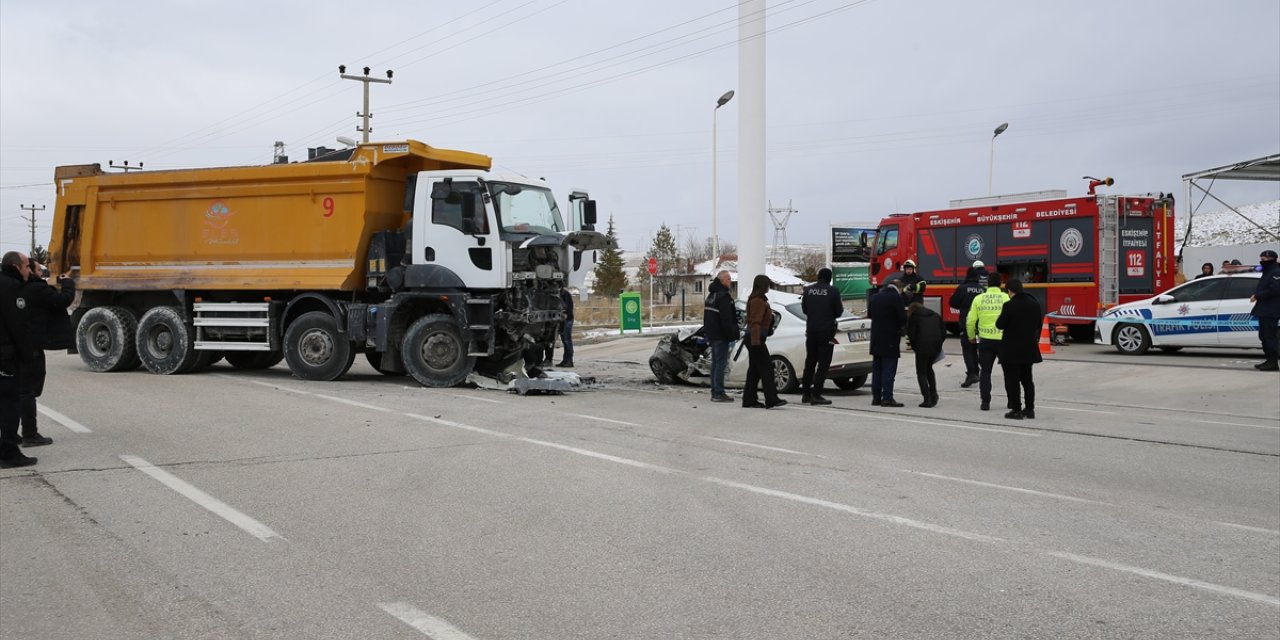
(420, 258)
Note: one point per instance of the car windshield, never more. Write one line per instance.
(525, 209)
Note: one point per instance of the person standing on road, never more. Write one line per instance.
(981, 329)
(50, 329)
(760, 367)
(720, 327)
(566, 328)
(821, 306)
(16, 350)
(1266, 307)
(888, 317)
(913, 283)
(972, 287)
(1020, 319)
(926, 333)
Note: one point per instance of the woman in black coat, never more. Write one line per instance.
(1021, 321)
(926, 333)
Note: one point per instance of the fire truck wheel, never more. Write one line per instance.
(435, 353)
(105, 339)
(1132, 339)
(851, 383)
(254, 359)
(315, 349)
(165, 342)
(784, 375)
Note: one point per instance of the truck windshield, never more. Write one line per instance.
(525, 209)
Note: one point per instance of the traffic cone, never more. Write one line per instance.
(1046, 340)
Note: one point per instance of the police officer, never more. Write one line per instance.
(1266, 308)
(974, 285)
(821, 306)
(16, 351)
(981, 327)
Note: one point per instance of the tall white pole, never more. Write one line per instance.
(715, 240)
(751, 173)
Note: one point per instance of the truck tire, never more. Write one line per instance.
(1132, 339)
(315, 349)
(166, 345)
(435, 353)
(851, 383)
(206, 359)
(105, 339)
(784, 375)
(254, 359)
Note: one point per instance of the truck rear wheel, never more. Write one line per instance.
(315, 350)
(435, 353)
(254, 359)
(105, 339)
(165, 343)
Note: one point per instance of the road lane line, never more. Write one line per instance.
(471, 397)
(218, 507)
(1239, 424)
(761, 446)
(269, 385)
(431, 626)
(1186, 582)
(881, 416)
(63, 420)
(458, 425)
(1008, 488)
(583, 415)
(353, 403)
(1248, 528)
(1110, 413)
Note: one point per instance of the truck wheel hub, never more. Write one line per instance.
(316, 347)
(440, 351)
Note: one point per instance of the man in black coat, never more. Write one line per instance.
(566, 329)
(926, 333)
(50, 330)
(720, 328)
(1266, 308)
(973, 286)
(888, 316)
(821, 305)
(1021, 321)
(16, 350)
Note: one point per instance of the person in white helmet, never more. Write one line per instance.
(912, 283)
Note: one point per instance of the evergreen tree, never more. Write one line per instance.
(611, 278)
(670, 263)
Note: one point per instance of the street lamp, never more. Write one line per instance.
(991, 164)
(715, 239)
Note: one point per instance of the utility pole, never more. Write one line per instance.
(342, 71)
(111, 164)
(33, 209)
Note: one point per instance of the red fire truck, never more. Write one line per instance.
(1077, 255)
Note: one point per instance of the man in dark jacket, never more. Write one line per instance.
(888, 317)
(821, 305)
(720, 328)
(566, 328)
(50, 330)
(1266, 308)
(16, 350)
(973, 286)
(1020, 320)
(926, 333)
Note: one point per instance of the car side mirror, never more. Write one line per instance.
(1164, 298)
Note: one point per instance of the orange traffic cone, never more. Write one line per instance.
(1046, 340)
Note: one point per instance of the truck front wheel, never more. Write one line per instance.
(165, 343)
(104, 339)
(315, 349)
(435, 353)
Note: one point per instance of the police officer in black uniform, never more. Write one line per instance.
(1266, 307)
(16, 351)
(821, 305)
(974, 285)
(50, 330)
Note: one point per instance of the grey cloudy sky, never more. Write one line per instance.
(873, 106)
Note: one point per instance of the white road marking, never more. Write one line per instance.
(761, 446)
(583, 415)
(1188, 582)
(63, 420)
(1044, 406)
(352, 403)
(1008, 488)
(881, 416)
(433, 627)
(472, 397)
(459, 425)
(1238, 424)
(269, 385)
(218, 507)
(1249, 528)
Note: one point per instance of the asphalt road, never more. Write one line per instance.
(1144, 502)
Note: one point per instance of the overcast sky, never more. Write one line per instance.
(873, 107)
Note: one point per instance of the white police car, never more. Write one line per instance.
(1207, 312)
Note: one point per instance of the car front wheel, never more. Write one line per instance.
(1132, 339)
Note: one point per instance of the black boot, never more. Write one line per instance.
(11, 457)
(1270, 365)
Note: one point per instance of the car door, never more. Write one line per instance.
(1236, 327)
(1191, 316)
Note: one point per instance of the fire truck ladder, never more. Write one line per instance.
(1108, 251)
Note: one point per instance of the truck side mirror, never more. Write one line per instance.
(589, 213)
(441, 190)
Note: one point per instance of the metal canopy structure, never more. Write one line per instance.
(1265, 168)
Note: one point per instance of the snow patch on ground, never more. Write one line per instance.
(1225, 227)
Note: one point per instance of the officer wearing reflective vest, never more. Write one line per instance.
(981, 328)
(913, 284)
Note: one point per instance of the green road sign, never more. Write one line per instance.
(631, 307)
